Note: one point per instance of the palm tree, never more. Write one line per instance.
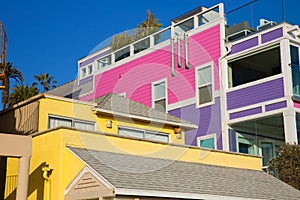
(21, 93)
(46, 80)
(11, 72)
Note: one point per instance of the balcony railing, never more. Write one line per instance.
(207, 16)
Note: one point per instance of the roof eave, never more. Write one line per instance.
(179, 195)
(182, 125)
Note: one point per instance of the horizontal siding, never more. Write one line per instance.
(203, 47)
(208, 119)
(255, 94)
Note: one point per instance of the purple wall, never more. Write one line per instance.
(245, 113)
(275, 106)
(255, 94)
(93, 58)
(208, 119)
(244, 45)
(85, 80)
(277, 33)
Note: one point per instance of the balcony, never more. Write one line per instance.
(156, 40)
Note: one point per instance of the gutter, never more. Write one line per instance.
(183, 125)
(177, 195)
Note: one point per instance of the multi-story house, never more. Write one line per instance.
(239, 84)
(115, 148)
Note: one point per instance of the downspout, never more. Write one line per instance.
(187, 65)
(47, 181)
(179, 52)
(172, 56)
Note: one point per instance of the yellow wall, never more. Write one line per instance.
(50, 148)
(83, 111)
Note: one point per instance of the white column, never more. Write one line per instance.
(23, 176)
(290, 127)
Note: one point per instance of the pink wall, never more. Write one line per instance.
(135, 77)
(296, 105)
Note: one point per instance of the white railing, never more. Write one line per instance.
(208, 15)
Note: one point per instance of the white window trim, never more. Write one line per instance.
(165, 80)
(197, 78)
(73, 120)
(86, 68)
(205, 137)
(145, 130)
(99, 69)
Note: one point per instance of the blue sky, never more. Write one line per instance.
(50, 36)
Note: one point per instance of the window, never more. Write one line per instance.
(246, 145)
(204, 84)
(104, 62)
(251, 68)
(83, 72)
(90, 69)
(267, 152)
(159, 92)
(144, 134)
(207, 141)
(294, 51)
(56, 121)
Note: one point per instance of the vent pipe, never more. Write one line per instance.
(172, 56)
(187, 65)
(179, 52)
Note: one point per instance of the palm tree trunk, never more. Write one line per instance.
(5, 93)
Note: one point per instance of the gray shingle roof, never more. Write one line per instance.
(143, 173)
(118, 104)
(72, 89)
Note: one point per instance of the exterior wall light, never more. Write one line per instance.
(178, 133)
(108, 123)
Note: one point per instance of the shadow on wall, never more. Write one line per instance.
(36, 184)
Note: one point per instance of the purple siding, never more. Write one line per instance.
(275, 106)
(94, 58)
(244, 45)
(85, 80)
(208, 119)
(277, 33)
(255, 94)
(245, 113)
(232, 140)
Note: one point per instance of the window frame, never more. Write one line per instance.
(144, 132)
(206, 137)
(73, 121)
(290, 61)
(104, 65)
(247, 54)
(197, 80)
(164, 80)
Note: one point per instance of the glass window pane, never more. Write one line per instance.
(160, 90)
(208, 143)
(104, 62)
(246, 146)
(295, 70)
(84, 125)
(294, 55)
(83, 72)
(131, 133)
(205, 94)
(204, 75)
(156, 136)
(56, 122)
(160, 105)
(90, 69)
(267, 152)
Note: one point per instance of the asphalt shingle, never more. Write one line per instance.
(143, 173)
